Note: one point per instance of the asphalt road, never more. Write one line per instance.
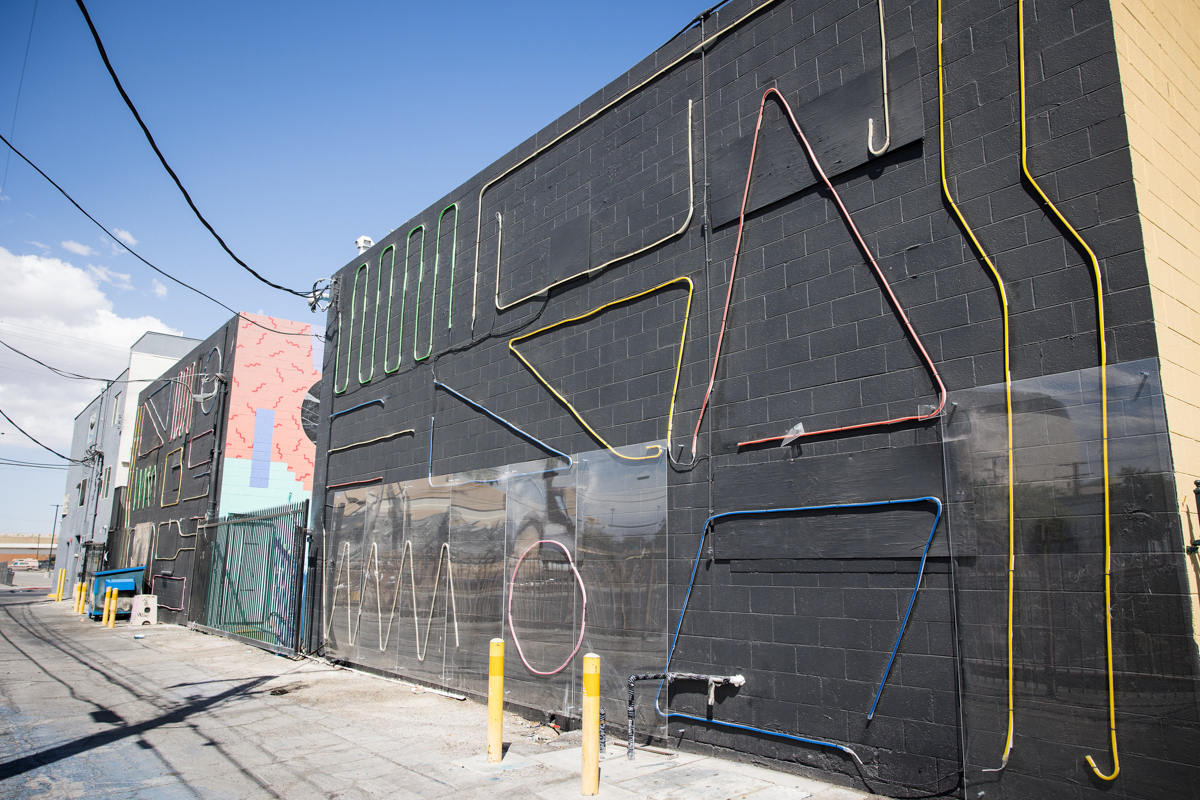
(91, 712)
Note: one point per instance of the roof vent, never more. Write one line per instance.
(363, 243)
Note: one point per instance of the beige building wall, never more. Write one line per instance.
(1158, 50)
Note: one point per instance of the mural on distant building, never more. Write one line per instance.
(268, 457)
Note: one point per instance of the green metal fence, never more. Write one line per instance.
(253, 565)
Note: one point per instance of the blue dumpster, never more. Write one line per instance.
(127, 582)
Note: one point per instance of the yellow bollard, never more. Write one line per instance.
(107, 607)
(82, 606)
(590, 784)
(62, 585)
(53, 595)
(112, 614)
(495, 742)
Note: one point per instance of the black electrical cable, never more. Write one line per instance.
(699, 18)
(133, 253)
(56, 370)
(8, 462)
(117, 81)
(20, 86)
(35, 441)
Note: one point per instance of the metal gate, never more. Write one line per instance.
(255, 577)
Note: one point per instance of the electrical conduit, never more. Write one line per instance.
(1112, 708)
(995, 276)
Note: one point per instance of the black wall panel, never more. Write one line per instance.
(810, 337)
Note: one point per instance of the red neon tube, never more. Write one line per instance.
(866, 251)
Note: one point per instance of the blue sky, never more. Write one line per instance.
(296, 127)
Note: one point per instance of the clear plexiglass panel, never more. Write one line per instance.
(420, 575)
(1059, 642)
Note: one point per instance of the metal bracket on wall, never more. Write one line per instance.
(656, 450)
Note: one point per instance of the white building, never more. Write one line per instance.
(103, 440)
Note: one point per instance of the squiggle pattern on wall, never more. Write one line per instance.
(385, 632)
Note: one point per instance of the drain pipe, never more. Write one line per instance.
(670, 677)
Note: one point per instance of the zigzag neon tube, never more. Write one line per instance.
(422, 645)
(916, 340)
(705, 532)
(994, 274)
(657, 449)
(1112, 705)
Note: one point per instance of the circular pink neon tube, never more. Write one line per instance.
(582, 616)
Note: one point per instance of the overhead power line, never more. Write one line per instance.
(8, 462)
(149, 138)
(55, 370)
(134, 253)
(35, 441)
(110, 381)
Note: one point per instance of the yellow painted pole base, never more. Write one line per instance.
(590, 778)
(495, 742)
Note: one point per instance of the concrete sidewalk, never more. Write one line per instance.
(91, 712)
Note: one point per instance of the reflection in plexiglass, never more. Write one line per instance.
(421, 574)
(1059, 647)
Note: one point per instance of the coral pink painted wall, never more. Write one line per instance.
(274, 371)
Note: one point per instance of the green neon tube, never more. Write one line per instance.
(437, 257)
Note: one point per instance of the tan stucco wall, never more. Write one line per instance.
(1158, 50)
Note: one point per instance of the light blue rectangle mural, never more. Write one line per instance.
(260, 460)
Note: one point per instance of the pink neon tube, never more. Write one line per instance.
(582, 616)
(870, 257)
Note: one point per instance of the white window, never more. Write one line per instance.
(105, 484)
(116, 417)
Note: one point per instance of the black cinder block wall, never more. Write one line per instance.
(616, 198)
(180, 497)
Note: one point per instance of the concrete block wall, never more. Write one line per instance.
(810, 337)
(1158, 49)
(175, 525)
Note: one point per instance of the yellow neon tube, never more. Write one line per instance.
(1112, 706)
(657, 449)
(590, 271)
(701, 45)
(995, 275)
